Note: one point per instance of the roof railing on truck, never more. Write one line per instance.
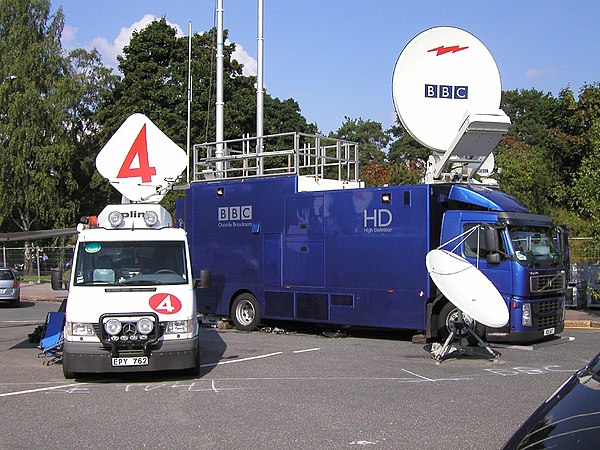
(276, 154)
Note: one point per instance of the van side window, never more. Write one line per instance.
(477, 239)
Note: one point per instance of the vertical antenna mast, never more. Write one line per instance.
(260, 85)
(189, 101)
(219, 101)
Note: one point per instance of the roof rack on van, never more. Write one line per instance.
(291, 153)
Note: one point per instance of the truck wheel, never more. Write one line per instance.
(66, 372)
(446, 323)
(244, 312)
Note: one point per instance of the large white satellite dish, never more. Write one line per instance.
(467, 288)
(440, 76)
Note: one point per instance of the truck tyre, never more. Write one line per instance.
(66, 372)
(448, 315)
(244, 312)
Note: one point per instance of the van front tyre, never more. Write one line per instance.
(66, 372)
(244, 312)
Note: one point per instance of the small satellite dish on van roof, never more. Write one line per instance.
(441, 76)
(467, 288)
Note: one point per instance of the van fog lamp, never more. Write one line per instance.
(145, 325)
(526, 319)
(151, 218)
(112, 326)
(115, 218)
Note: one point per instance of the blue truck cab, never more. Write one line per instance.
(297, 246)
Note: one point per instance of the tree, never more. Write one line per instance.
(372, 140)
(408, 156)
(155, 69)
(91, 83)
(38, 188)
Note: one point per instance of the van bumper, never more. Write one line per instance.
(92, 357)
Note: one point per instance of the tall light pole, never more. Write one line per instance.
(219, 102)
(260, 85)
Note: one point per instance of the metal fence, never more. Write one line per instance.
(584, 250)
(36, 261)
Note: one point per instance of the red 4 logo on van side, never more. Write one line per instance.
(165, 303)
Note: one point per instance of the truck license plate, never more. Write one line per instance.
(135, 361)
(548, 331)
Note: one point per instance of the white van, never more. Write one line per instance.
(131, 304)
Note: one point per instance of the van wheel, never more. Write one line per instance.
(66, 372)
(244, 312)
(447, 323)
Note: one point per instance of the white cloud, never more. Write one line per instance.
(539, 73)
(110, 49)
(68, 37)
(243, 57)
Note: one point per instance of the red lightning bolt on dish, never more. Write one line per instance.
(442, 50)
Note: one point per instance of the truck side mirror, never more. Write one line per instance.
(205, 280)
(491, 239)
(494, 258)
(562, 238)
(492, 244)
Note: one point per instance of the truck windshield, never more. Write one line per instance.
(533, 246)
(139, 263)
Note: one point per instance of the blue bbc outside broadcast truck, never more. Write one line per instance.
(322, 248)
(280, 227)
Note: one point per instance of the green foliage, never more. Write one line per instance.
(548, 155)
(587, 186)
(372, 140)
(38, 189)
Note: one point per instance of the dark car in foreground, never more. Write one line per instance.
(568, 419)
(10, 289)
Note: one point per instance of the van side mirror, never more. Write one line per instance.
(205, 280)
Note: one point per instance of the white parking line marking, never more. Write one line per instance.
(307, 350)
(29, 391)
(241, 360)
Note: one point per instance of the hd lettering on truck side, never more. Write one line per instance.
(377, 221)
(234, 216)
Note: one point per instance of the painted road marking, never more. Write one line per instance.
(30, 391)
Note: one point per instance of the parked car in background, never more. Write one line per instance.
(568, 419)
(10, 289)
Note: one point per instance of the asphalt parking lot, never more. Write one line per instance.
(296, 390)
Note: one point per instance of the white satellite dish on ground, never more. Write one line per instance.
(446, 89)
(467, 288)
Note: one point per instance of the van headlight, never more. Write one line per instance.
(526, 319)
(80, 329)
(179, 326)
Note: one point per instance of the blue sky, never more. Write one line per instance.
(336, 57)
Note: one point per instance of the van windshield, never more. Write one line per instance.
(132, 263)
